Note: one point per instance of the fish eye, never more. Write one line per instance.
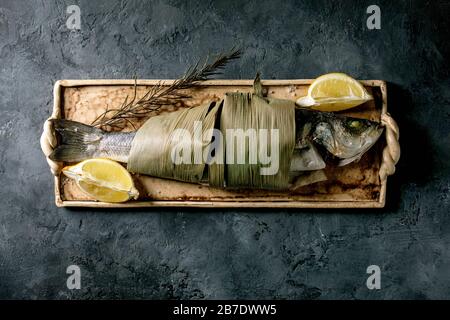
(355, 125)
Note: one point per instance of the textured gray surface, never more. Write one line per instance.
(182, 253)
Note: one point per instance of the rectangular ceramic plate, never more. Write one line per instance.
(354, 186)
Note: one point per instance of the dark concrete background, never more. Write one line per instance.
(190, 253)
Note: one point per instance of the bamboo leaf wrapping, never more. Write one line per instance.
(153, 145)
(250, 111)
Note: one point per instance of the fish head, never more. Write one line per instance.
(346, 137)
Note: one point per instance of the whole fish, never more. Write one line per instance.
(345, 138)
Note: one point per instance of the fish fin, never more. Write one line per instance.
(344, 162)
(78, 141)
(307, 159)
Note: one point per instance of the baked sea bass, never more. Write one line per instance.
(243, 141)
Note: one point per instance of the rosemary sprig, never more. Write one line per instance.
(161, 95)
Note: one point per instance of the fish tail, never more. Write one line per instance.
(77, 141)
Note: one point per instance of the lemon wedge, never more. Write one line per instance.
(102, 179)
(334, 92)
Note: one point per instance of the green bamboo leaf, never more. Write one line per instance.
(154, 143)
(239, 153)
(251, 113)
